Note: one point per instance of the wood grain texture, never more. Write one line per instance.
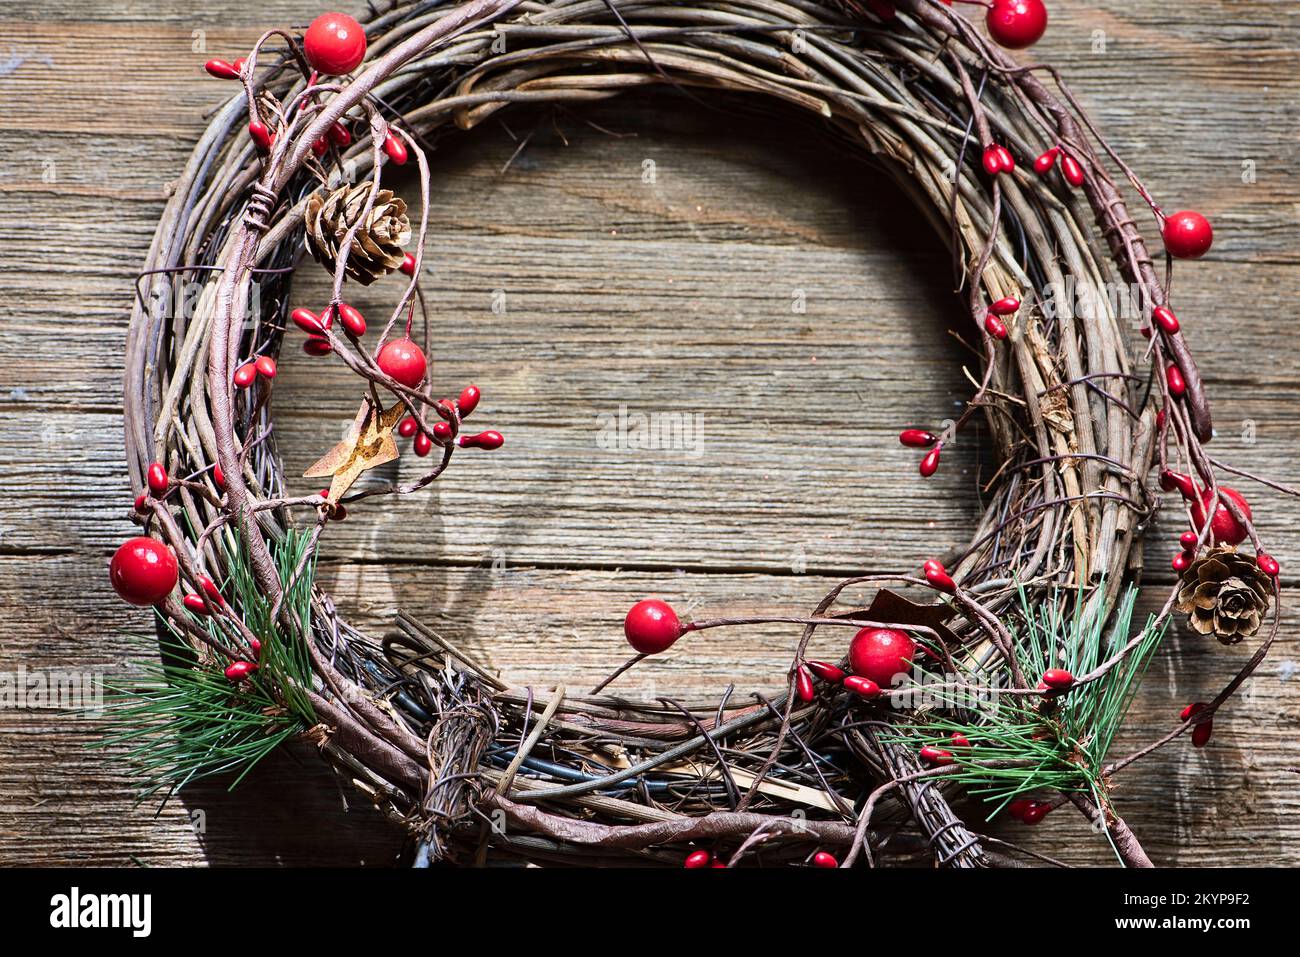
(670, 296)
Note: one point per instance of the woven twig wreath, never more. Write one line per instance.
(835, 768)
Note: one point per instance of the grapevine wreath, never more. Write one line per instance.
(1001, 672)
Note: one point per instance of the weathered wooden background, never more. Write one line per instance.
(671, 292)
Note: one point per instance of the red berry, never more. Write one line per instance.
(1188, 235)
(1035, 812)
(1005, 307)
(823, 859)
(406, 428)
(936, 757)
(211, 590)
(239, 670)
(1166, 320)
(995, 326)
(310, 323)
(334, 44)
(862, 687)
(992, 160)
(219, 478)
(1017, 24)
(158, 480)
(140, 501)
(339, 135)
(266, 367)
(880, 654)
(402, 361)
(1043, 165)
(1182, 561)
(260, 135)
(825, 671)
(484, 440)
(930, 464)
(422, 444)
(468, 400)
(1018, 807)
(221, 70)
(1174, 378)
(1268, 565)
(351, 319)
(697, 859)
(1073, 171)
(1006, 159)
(932, 565)
(395, 147)
(441, 432)
(143, 571)
(1058, 679)
(803, 684)
(959, 740)
(1188, 540)
(196, 604)
(408, 264)
(320, 146)
(1224, 527)
(917, 438)
(942, 581)
(245, 375)
(1200, 733)
(651, 626)
(317, 346)
(1195, 707)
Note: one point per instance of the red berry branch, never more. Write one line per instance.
(1077, 417)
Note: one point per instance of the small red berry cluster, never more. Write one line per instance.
(446, 432)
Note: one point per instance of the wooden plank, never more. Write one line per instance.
(671, 296)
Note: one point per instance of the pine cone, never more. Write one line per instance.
(1226, 594)
(376, 249)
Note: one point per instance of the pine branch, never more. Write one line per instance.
(186, 721)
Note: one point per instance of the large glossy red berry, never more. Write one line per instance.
(1224, 527)
(1188, 235)
(143, 571)
(1017, 24)
(881, 653)
(403, 361)
(651, 626)
(334, 44)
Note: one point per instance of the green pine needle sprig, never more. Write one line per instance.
(185, 720)
(1016, 749)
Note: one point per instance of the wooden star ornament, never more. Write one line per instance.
(368, 443)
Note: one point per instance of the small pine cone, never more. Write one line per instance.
(1226, 594)
(377, 247)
